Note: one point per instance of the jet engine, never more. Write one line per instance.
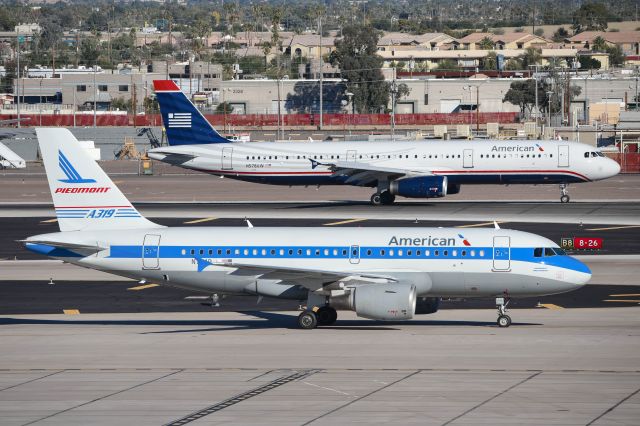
(427, 305)
(380, 301)
(420, 187)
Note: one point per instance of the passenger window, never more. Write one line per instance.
(335, 252)
(317, 252)
(246, 252)
(228, 251)
(400, 252)
(193, 251)
(454, 253)
(344, 252)
(219, 251)
(391, 252)
(481, 253)
(418, 252)
(382, 252)
(368, 252)
(586, 155)
(290, 252)
(201, 251)
(264, 252)
(427, 253)
(308, 252)
(436, 253)
(255, 252)
(445, 253)
(326, 252)
(281, 252)
(299, 252)
(464, 253)
(184, 252)
(210, 252)
(409, 252)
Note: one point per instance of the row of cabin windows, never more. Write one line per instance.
(337, 157)
(334, 252)
(516, 156)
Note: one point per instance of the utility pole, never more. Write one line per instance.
(320, 64)
(477, 109)
(18, 74)
(393, 106)
(95, 97)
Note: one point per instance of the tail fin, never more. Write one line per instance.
(184, 124)
(83, 195)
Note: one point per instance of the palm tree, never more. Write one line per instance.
(599, 44)
(486, 43)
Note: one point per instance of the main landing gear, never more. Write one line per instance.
(504, 320)
(564, 198)
(383, 198)
(325, 315)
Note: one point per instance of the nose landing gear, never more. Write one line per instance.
(504, 320)
(564, 198)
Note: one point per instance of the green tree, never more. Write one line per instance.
(490, 62)
(89, 50)
(531, 56)
(120, 104)
(523, 94)
(599, 44)
(539, 32)
(356, 56)
(486, 43)
(560, 35)
(616, 56)
(224, 108)
(591, 16)
(448, 65)
(588, 63)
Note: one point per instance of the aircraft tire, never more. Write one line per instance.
(376, 199)
(565, 199)
(504, 321)
(307, 320)
(326, 315)
(387, 198)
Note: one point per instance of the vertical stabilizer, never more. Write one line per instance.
(83, 195)
(183, 122)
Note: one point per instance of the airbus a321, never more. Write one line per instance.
(407, 169)
(380, 273)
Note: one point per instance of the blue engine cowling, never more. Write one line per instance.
(420, 187)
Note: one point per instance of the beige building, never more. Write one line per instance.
(628, 41)
(428, 41)
(511, 41)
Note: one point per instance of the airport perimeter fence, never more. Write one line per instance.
(629, 161)
(269, 120)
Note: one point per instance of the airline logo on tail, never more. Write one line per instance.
(540, 148)
(179, 119)
(464, 240)
(70, 172)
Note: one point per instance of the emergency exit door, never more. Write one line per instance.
(467, 159)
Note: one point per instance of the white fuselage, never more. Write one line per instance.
(463, 162)
(438, 261)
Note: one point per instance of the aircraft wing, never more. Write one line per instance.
(365, 174)
(309, 278)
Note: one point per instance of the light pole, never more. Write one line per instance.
(549, 94)
(18, 73)
(95, 97)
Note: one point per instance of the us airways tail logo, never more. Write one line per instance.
(179, 119)
(70, 172)
(464, 240)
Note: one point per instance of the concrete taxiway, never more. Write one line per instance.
(571, 367)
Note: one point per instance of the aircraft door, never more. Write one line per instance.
(227, 158)
(467, 160)
(351, 155)
(354, 254)
(151, 252)
(563, 155)
(501, 253)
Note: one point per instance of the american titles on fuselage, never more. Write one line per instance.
(426, 241)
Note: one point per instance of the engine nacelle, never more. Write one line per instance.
(380, 301)
(453, 188)
(427, 305)
(420, 187)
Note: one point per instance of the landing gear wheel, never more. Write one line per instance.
(565, 199)
(376, 199)
(504, 321)
(307, 320)
(326, 315)
(387, 198)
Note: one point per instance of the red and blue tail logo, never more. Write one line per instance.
(540, 148)
(464, 240)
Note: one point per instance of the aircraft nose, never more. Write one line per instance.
(614, 167)
(580, 274)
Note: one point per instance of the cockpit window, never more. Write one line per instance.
(559, 251)
(593, 154)
(548, 251)
(537, 252)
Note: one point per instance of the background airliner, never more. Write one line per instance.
(407, 169)
(380, 273)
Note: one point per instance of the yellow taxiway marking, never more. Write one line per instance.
(475, 225)
(71, 312)
(342, 222)
(622, 300)
(550, 306)
(625, 295)
(611, 228)
(49, 221)
(142, 287)
(206, 219)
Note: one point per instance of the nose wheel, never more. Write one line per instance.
(504, 320)
(564, 198)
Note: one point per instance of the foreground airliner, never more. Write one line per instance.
(408, 169)
(380, 273)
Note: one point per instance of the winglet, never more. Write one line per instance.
(495, 225)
